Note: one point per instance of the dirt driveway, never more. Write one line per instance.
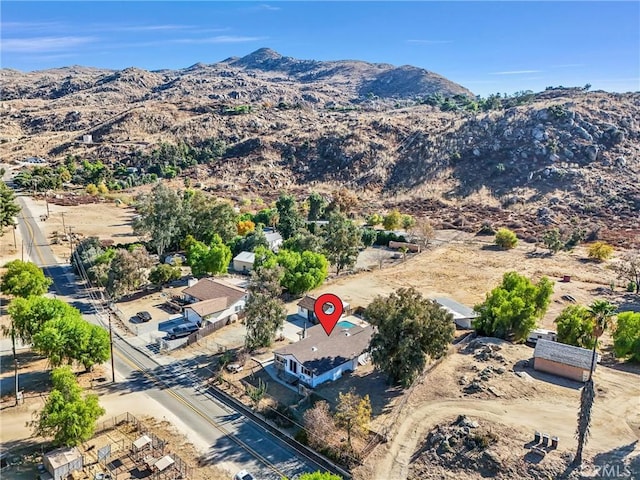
(543, 403)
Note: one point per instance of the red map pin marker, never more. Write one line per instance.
(329, 315)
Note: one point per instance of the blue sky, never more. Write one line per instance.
(486, 46)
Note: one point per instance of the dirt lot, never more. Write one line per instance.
(105, 220)
(512, 395)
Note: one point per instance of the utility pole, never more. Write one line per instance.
(113, 370)
(15, 226)
(70, 245)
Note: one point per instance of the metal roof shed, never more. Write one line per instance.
(141, 442)
(61, 462)
(164, 463)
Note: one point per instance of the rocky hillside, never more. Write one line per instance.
(562, 157)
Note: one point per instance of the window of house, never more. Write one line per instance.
(238, 308)
(305, 372)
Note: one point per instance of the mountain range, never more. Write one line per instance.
(400, 137)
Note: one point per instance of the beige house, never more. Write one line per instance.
(212, 300)
(563, 360)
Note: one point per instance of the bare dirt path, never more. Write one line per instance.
(544, 407)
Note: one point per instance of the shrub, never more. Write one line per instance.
(600, 251)
(506, 239)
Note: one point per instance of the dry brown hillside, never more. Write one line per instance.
(565, 157)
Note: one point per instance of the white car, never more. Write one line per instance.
(243, 475)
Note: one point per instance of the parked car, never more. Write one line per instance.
(144, 316)
(243, 475)
(183, 330)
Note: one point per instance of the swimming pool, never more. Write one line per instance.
(345, 324)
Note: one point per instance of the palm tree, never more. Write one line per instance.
(601, 311)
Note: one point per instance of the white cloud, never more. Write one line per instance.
(28, 25)
(516, 72)
(271, 8)
(43, 44)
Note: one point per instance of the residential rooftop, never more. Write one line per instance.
(563, 353)
(320, 352)
(210, 288)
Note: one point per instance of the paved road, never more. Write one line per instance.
(232, 436)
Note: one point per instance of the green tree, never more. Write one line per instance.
(343, 240)
(304, 241)
(128, 271)
(67, 416)
(375, 219)
(601, 312)
(203, 217)
(213, 259)
(408, 222)
(159, 217)
(290, 220)
(163, 274)
(225, 222)
(317, 204)
(265, 312)
(506, 239)
(23, 279)
(392, 220)
(575, 326)
(9, 209)
(600, 251)
(626, 336)
(409, 328)
(302, 271)
(72, 339)
(553, 240)
(353, 413)
(512, 309)
(268, 217)
(250, 242)
(29, 315)
(368, 236)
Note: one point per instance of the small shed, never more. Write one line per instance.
(542, 333)
(563, 360)
(462, 315)
(243, 262)
(164, 463)
(63, 461)
(141, 443)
